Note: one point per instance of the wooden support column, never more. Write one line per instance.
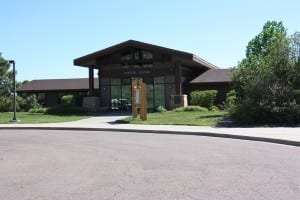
(91, 79)
(178, 74)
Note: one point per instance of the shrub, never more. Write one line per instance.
(78, 99)
(204, 98)
(29, 102)
(37, 110)
(244, 112)
(190, 109)
(5, 103)
(288, 113)
(161, 109)
(231, 98)
(251, 112)
(67, 99)
(65, 109)
(214, 108)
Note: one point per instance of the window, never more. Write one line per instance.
(159, 80)
(159, 94)
(126, 57)
(148, 80)
(137, 55)
(136, 66)
(126, 81)
(115, 81)
(147, 55)
(125, 66)
(147, 66)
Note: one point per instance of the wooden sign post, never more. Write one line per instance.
(139, 99)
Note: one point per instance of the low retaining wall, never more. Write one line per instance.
(179, 101)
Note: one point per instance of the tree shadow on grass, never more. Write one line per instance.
(210, 116)
(120, 121)
(70, 114)
(227, 122)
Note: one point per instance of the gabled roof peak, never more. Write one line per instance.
(86, 60)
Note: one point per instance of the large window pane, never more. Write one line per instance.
(147, 55)
(159, 79)
(126, 81)
(159, 94)
(150, 96)
(126, 57)
(115, 92)
(137, 55)
(115, 81)
(147, 66)
(148, 80)
(126, 92)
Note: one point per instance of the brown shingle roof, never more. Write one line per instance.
(87, 60)
(214, 76)
(76, 84)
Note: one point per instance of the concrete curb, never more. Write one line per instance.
(207, 134)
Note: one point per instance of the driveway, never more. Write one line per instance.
(44, 164)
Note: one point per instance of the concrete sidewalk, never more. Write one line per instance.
(281, 135)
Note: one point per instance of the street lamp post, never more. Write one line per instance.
(14, 83)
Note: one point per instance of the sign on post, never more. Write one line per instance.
(139, 99)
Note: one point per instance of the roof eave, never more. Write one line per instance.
(204, 62)
(215, 82)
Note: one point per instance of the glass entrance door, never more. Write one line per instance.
(121, 92)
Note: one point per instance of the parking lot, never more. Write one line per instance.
(42, 164)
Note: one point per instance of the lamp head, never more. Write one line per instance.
(11, 62)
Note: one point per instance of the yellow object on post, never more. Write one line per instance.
(139, 99)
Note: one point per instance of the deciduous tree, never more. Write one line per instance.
(265, 80)
(5, 77)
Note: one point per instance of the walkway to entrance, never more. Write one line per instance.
(108, 117)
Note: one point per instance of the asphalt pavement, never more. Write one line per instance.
(61, 164)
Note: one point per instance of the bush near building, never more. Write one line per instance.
(191, 109)
(205, 98)
(68, 99)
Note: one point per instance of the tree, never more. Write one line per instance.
(5, 77)
(295, 45)
(24, 101)
(264, 81)
(5, 85)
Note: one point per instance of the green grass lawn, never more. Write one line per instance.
(195, 118)
(40, 118)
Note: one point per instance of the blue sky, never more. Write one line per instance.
(44, 36)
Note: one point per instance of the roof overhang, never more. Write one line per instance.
(58, 85)
(213, 76)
